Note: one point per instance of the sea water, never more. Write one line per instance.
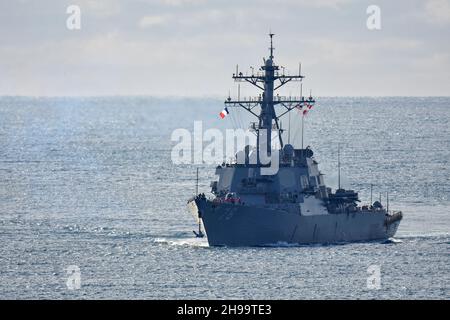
(88, 190)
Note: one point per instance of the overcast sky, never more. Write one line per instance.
(191, 47)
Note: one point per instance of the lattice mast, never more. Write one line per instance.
(268, 81)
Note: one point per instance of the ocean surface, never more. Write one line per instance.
(88, 183)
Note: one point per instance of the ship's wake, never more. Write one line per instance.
(393, 240)
(188, 242)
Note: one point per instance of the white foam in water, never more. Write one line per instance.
(394, 240)
(282, 244)
(192, 242)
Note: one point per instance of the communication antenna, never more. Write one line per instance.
(371, 190)
(289, 128)
(271, 45)
(303, 119)
(387, 201)
(339, 166)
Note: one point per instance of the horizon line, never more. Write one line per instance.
(204, 96)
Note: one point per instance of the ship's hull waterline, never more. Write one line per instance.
(239, 225)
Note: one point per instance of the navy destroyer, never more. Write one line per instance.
(251, 205)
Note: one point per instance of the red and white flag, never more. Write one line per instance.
(305, 112)
(224, 113)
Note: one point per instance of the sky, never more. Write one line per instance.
(191, 47)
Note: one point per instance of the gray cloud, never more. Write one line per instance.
(191, 47)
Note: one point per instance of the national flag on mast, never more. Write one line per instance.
(310, 106)
(224, 113)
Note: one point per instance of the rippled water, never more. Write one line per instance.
(89, 182)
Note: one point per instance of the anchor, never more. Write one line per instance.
(199, 234)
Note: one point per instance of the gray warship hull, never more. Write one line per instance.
(240, 225)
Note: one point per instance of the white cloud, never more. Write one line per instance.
(434, 61)
(322, 3)
(103, 8)
(258, 3)
(357, 53)
(153, 20)
(438, 11)
(182, 2)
